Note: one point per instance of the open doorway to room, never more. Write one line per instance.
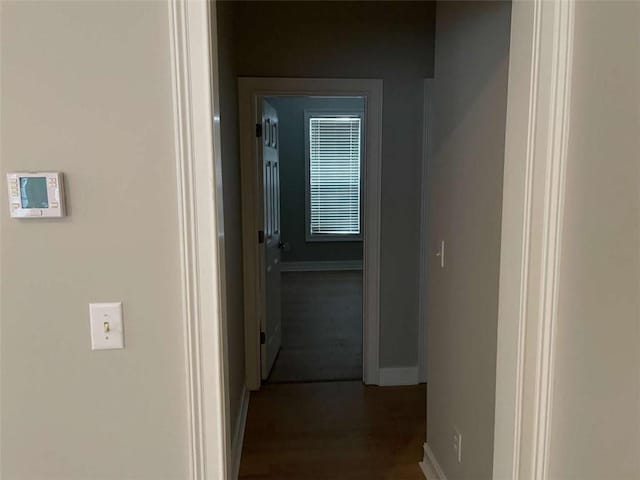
(312, 156)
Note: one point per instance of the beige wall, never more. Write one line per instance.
(596, 401)
(367, 39)
(470, 94)
(86, 89)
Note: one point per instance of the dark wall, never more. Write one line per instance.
(393, 41)
(232, 209)
(293, 180)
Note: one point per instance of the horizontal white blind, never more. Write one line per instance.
(334, 175)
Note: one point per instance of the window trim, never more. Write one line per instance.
(333, 112)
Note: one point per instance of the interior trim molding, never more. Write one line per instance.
(430, 466)
(322, 266)
(533, 202)
(425, 243)
(250, 90)
(555, 187)
(199, 206)
(396, 376)
(238, 435)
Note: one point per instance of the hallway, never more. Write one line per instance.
(334, 430)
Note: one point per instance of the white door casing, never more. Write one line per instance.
(540, 68)
(194, 69)
(427, 118)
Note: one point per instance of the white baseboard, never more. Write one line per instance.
(430, 466)
(238, 435)
(399, 376)
(345, 265)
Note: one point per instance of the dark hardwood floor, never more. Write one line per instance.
(334, 431)
(321, 327)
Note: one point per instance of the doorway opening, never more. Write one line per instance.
(537, 84)
(310, 158)
(312, 175)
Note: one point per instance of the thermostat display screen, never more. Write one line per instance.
(33, 192)
(36, 194)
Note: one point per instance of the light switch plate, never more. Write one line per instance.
(107, 332)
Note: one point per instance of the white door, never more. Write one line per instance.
(272, 321)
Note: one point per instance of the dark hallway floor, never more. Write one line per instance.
(321, 327)
(334, 431)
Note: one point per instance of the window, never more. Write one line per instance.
(334, 150)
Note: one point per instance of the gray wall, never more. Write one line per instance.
(470, 91)
(595, 431)
(86, 89)
(293, 180)
(232, 212)
(388, 40)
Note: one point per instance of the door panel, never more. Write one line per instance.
(272, 326)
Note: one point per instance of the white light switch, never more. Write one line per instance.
(106, 326)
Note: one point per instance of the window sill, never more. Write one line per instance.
(333, 238)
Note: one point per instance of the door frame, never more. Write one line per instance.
(535, 158)
(250, 91)
(200, 222)
(427, 152)
(536, 142)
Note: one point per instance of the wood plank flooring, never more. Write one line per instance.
(321, 327)
(334, 430)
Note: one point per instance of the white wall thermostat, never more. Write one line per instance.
(36, 194)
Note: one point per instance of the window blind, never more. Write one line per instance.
(334, 175)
